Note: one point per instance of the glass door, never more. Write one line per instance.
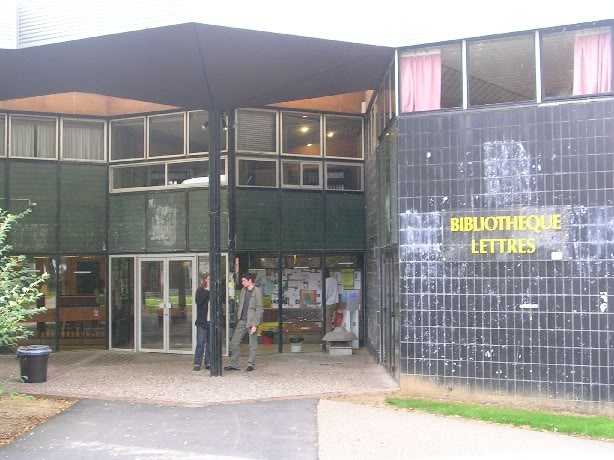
(153, 304)
(166, 304)
(180, 302)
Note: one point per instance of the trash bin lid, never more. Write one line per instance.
(296, 339)
(34, 350)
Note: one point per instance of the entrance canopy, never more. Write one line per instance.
(195, 66)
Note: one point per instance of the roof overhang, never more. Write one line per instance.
(195, 66)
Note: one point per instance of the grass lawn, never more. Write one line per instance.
(594, 427)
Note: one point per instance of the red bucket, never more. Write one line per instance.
(266, 340)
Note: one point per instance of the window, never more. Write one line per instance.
(2, 135)
(198, 133)
(257, 173)
(385, 96)
(256, 131)
(33, 137)
(166, 135)
(291, 173)
(393, 94)
(193, 173)
(138, 176)
(311, 174)
(301, 174)
(341, 176)
(122, 302)
(83, 140)
(171, 174)
(128, 139)
(431, 79)
(43, 325)
(577, 63)
(83, 281)
(501, 70)
(343, 137)
(301, 134)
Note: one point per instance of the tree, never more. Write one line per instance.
(19, 287)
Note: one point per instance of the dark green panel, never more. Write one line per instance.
(127, 222)
(198, 220)
(33, 185)
(301, 220)
(166, 221)
(345, 221)
(257, 219)
(83, 192)
(2, 183)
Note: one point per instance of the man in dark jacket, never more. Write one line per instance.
(202, 323)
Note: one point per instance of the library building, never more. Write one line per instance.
(457, 184)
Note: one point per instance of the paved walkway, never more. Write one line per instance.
(102, 430)
(363, 432)
(293, 429)
(169, 379)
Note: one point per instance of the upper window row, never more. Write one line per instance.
(576, 63)
(86, 139)
(177, 134)
(36, 137)
(304, 134)
(164, 137)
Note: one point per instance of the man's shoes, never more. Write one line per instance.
(250, 368)
(196, 367)
(207, 367)
(230, 368)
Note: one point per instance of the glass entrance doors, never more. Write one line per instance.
(166, 304)
(152, 301)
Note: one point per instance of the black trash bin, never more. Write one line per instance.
(33, 363)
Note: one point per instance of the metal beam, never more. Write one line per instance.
(216, 288)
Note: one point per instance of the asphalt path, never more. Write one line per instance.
(101, 430)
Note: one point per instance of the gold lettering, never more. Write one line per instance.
(533, 224)
(556, 221)
(483, 247)
(511, 247)
(469, 225)
(542, 223)
(522, 246)
(514, 223)
(454, 224)
(490, 224)
(474, 249)
(531, 248)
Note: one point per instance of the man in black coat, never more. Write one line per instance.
(202, 324)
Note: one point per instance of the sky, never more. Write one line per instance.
(391, 23)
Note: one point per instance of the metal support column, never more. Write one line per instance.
(215, 258)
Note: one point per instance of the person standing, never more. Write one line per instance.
(332, 301)
(249, 314)
(202, 324)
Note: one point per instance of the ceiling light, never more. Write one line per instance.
(304, 129)
(304, 116)
(330, 134)
(309, 145)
